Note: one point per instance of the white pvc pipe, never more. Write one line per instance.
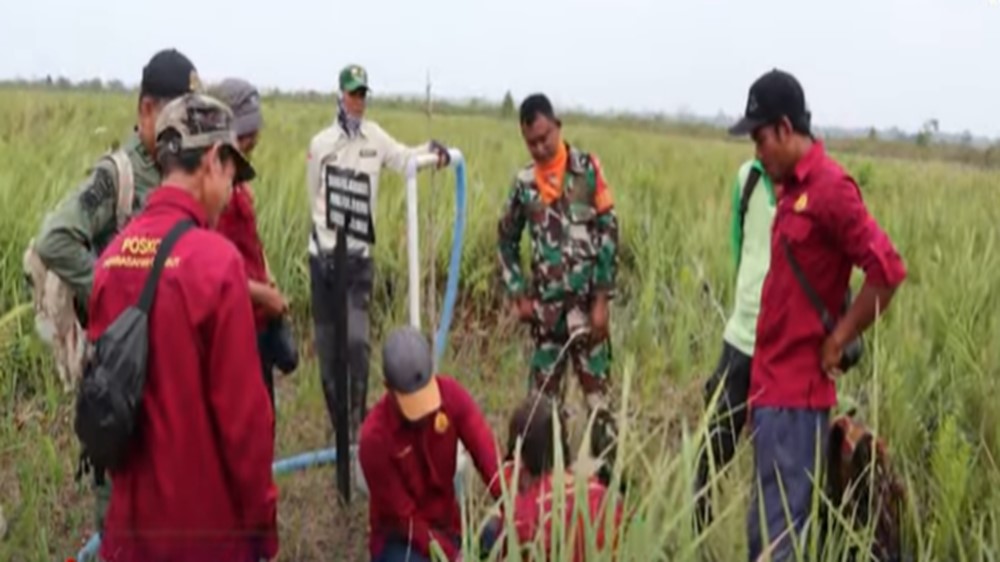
(413, 249)
(412, 227)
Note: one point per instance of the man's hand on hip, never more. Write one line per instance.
(830, 356)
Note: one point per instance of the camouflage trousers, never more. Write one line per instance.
(561, 336)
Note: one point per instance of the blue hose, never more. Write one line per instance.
(454, 267)
(283, 466)
(329, 456)
(294, 463)
(305, 460)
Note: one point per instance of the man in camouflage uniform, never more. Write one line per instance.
(564, 201)
(60, 261)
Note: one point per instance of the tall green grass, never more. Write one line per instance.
(928, 382)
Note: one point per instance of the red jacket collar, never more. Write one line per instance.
(809, 161)
(178, 198)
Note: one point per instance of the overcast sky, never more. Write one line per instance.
(862, 62)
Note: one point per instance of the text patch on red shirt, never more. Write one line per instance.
(201, 384)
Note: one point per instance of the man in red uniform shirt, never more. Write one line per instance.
(408, 449)
(196, 484)
(238, 222)
(823, 229)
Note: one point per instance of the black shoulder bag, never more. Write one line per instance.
(855, 348)
(107, 402)
(748, 186)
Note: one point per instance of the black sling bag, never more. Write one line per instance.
(107, 403)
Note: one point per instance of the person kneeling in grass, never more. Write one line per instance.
(537, 484)
(408, 454)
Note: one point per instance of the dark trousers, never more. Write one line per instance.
(725, 423)
(489, 537)
(399, 550)
(360, 273)
(789, 454)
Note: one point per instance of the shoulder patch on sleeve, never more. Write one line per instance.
(100, 190)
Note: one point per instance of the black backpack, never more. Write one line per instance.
(107, 402)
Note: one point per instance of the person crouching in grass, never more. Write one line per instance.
(539, 488)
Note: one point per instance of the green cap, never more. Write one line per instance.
(353, 77)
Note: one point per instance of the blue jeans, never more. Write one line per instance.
(399, 551)
(787, 444)
(489, 537)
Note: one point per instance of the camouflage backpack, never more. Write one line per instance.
(862, 483)
(56, 320)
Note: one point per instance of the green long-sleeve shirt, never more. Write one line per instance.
(77, 230)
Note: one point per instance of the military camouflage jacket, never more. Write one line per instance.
(574, 247)
(77, 230)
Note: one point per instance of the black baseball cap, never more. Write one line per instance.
(774, 95)
(169, 74)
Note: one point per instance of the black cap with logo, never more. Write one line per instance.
(169, 74)
(774, 95)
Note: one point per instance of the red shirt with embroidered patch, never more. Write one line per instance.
(410, 469)
(196, 484)
(238, 223)
(829, 231)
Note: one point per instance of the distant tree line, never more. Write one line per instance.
(63, 83)
(928, 142)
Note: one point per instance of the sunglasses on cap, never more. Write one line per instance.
(207, 120)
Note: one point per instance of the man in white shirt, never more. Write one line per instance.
(344, 164)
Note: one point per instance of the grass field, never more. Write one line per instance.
(927, 383)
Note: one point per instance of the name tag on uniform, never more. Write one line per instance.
(368, 153)
(348, 202)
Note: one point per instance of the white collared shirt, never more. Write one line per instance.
(368, 152)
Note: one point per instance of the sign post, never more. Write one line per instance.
(341, 368)
(348, 198)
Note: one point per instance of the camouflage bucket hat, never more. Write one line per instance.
(203, 121)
